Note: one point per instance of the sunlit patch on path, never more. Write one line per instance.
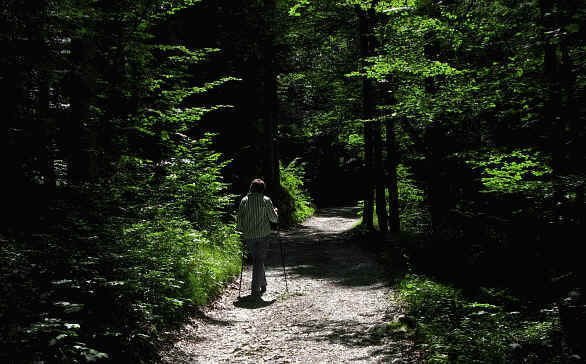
(337, 298)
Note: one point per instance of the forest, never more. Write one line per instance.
(134, 127)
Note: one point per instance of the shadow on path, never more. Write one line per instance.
(340, 212)
(345, 332)
(201, 316)
(252, 302)
(322, 248)
(355, 333)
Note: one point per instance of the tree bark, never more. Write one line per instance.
(270, 105)
(393, 187)
(14, 89)
(82, 164)
(367, 45)
(381, 202)
(46, 151)
(368, 212)
(392, 161)
(573, 121)
(552, 105)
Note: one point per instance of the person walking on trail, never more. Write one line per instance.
(255, 214)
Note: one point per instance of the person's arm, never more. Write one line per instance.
(271, 211)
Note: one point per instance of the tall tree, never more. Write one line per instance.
(270, 104)
(380, 178)
(81, 129)
(392, 163)
(367, 47)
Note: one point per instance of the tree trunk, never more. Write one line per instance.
(368, 212)
(393, 187)
(573, 124)
(552, 101)
(43, 136)
(46, 151)
(82, 165)
(367, 45)
(392, 161)
(271, 162)
(381, 202)
(14, 89)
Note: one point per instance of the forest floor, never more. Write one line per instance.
(337, 305)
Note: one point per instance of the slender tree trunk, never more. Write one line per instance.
(81, 152)
(368, 212)
(46, 151)
(42, 128)
(13, 87)
(436, 190)
(271, 162)
(367, 45)
(392, 162)
(570, 110)
(393, 187)
(379, 172)
(276, 194)
(552, 102)
(579, 206)
(381, 203)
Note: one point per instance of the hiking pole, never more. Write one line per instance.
(282, 258)
(241, 269)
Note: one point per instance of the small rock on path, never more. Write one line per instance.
(337, 303)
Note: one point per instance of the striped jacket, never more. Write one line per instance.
(254, 214)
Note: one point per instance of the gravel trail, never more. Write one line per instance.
(334, 312)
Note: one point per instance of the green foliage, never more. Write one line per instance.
(125, 252)
(175, 264)
(315, 83)
(519, 171)
(161, 247)
(412, 212)
(106, 289)
(180, 241)
(296, 8)
(102, 261)
(296, 207)
(188, 183)
(456, 329)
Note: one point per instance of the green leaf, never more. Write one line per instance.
(573, 28)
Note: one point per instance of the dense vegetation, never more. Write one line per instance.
(132, 127)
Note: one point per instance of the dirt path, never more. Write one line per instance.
(336, 305)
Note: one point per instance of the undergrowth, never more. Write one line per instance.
(453, 328)
(118, 263)
(295, 205)
(107, 299)
(491, 325)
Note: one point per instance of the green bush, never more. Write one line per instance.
(413, 214)
(295, 205)
(123, 260)
(176, 264)
(454, 329)
(518, 171)
(181, 245)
